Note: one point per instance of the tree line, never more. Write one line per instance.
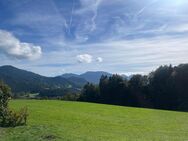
(164, 88)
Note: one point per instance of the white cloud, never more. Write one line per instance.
(99, 59)
(84, 58)
(13, 47)
(123, 56)
(140, 55)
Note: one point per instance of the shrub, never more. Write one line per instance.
(14, 119)
(70, 97)
(10, 118)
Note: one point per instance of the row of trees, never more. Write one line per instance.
(165, 88)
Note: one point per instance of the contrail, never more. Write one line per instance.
(95, 15)
(145, 7)
(71, 17)
(59, 14)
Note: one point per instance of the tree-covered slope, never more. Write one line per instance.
(25, 81)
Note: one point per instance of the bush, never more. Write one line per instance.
(70, 97)
(14, 119)
(10, 118)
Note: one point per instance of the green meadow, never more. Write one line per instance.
(76, 121)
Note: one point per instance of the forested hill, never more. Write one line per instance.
(164, 88)
(25, 81)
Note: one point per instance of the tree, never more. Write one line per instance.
(5, 95)
(138, 87)
(9, 118)
(180, 76)
(116, 91)
(162, 88)
(103, 87)
(90, 93)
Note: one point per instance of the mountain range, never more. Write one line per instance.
(25, 81)
(90, 76)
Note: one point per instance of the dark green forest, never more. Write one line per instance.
(164, 88)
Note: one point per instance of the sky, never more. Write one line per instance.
(52, 37)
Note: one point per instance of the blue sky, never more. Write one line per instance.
(51, 37)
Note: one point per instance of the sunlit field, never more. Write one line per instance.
(76, 121)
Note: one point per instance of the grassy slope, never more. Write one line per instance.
(74, 121)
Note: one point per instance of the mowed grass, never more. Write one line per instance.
(76, 121)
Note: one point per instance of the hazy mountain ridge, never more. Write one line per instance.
(25, 81)
(91, 76)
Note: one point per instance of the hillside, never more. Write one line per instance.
(25, 81)
(75, 121)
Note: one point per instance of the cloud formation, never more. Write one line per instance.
(13, 47)
(99, 59)
(131, 36)
(84, 58)
(87, 14)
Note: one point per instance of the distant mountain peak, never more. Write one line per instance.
(68, 75)
(8, 67)
(90, 76)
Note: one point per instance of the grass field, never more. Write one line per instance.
(74, 121)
